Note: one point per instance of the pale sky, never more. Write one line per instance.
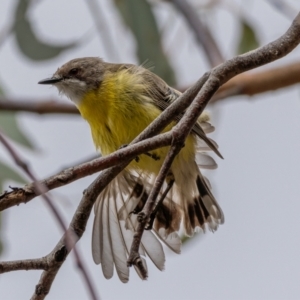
(254, 255)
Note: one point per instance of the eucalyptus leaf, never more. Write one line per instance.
(138, 16)
(7, 173)
(248, 39)
(28, 42)
(1, 91)
(10, 126)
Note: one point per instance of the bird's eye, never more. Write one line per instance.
(73, 72)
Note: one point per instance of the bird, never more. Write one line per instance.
(119, 101)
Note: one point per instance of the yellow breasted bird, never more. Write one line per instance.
(119, 101)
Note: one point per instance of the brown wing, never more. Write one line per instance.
(163, 95)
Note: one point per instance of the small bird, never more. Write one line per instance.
(119, 101)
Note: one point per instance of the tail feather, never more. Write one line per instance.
(189, 205)
(210, 203)
(112, 240)
(200, 210)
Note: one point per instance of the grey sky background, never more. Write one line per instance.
(255, 254)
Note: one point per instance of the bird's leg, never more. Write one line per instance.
(152, 155)
(170, 181)
(137, 159)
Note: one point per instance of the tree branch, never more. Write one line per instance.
(28, 192)
(245, 84)
(208, 84)
(42, 189)
(201, 31)
(259, 82)
(81, 216)
(179, 135)
(26, 264)
(45, 107)
(218, 76)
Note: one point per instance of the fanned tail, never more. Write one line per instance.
(114, 227)
(203, 210)
(188, 205)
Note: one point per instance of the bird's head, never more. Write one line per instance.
(77, 77)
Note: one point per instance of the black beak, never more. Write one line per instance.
(50, 80)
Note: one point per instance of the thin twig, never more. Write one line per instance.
(77, 225)
(144, 215)
(28, 192)
(39, 107)
(25, 264)
(104, 31)
(216, 78)
(179, 135)
(83, 211)
(42, 189)
(254, 83)
(219, 76)
(245, 84)
(201, 31)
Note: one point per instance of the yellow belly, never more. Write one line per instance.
(116, 119)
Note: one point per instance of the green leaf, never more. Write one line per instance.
(1, 91)
(248, 39)
(28, 42)
(10, 126)
(7, 173)
(138, 16)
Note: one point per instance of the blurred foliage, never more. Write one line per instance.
(9, 174)
(248, 40)
(9, 126)
(138, 16)
(27, 41)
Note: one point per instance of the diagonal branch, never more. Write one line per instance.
(26, 264)
(219, 76)
(246, 84)
(44, 107)
(208, 84)
(42, 190)
(143, 217)
(203, 35)
(259, 82)
(28, 192)
(179, 135)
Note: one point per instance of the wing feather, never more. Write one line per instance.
(118, 245)
(164, 95)
(154, 249)
(107, 261)
(172, 240)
